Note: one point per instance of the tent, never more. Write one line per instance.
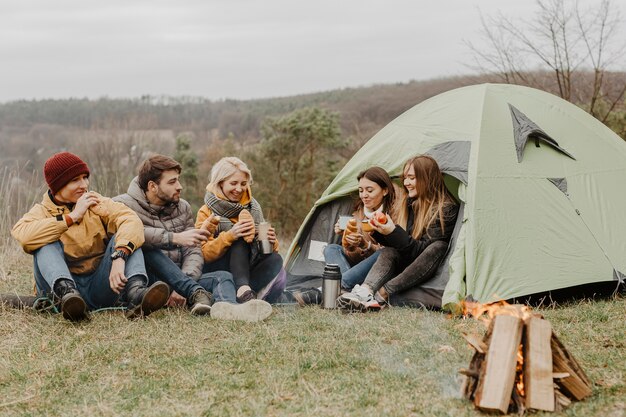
(542, 187)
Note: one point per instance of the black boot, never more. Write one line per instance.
(72, 305)
(142, 300)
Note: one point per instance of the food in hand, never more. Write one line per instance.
(244, 215)
(366, 227)
(210, 223)
(350, 229)
(381, 218)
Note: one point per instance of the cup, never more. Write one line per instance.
(265, 247)
(331, 285)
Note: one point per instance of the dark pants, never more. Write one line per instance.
(256, 274)
(395, 274)
(161, 268)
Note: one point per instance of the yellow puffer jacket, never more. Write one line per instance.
(217, 246)
(84, 243)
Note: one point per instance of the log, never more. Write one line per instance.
(538, 382)
(495, 384)
(577, 384)
(475, 342)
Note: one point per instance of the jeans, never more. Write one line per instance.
(350, 276)
(221, 285)
(49, 266)
(161, 268)
(397, 274)
(237, 261)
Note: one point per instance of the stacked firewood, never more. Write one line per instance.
(520, 364)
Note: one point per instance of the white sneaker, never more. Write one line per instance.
(359, 299)
(253, 310)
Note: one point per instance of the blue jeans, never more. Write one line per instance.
(161, 268)
(49, 266)
(221, 285)
(350, 275)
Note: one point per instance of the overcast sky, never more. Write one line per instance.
(231, 48)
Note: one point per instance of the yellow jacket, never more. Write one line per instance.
(217, 246)
(84, 243)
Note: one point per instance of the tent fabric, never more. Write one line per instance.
(534, 224)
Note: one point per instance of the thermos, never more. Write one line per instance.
(331, 285)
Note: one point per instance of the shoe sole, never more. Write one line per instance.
(155, 297)
(251, 311)
(350, 305)
(200, 309)
(74, 308)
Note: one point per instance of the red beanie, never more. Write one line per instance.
(61, 168)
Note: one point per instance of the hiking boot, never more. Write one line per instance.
(253, 310)
(359, 299)
(142, 300)
(246, 296)
(69, 300)
(200, 302)
(309, 296)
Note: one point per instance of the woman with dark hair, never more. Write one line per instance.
(414, 243)
(358, 250)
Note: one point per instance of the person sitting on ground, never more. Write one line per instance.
(172, 245)
(86, 247)
(415, 246)
(358, 250)
(234, 246)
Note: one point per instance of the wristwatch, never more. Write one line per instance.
(119, 254)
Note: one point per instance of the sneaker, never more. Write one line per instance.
(359, 299)
(246, 296)
(253, 310)
(200, 302)
(309, 296)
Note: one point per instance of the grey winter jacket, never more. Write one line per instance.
(160, 223)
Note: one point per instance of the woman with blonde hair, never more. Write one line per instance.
(233, 245)
(414, 246)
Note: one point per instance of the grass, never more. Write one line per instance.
(301, 362)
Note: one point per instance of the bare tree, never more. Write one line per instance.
(564, 49)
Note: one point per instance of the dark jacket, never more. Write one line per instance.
(411, 248)
(160, 223)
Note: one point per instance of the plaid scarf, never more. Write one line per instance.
(228, 210)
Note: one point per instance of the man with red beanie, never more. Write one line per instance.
(86, 247)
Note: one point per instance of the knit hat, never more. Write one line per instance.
(61, 168)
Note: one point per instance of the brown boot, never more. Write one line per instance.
(200, 302)
(142, 300)
(72, 305)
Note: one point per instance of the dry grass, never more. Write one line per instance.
(299, 362)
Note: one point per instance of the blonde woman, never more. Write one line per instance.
(234, 246)
(414, 246)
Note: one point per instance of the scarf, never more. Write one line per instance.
(228, 210)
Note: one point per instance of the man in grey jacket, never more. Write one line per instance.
(172, 245)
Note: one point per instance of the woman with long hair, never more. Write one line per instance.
(414, 244)
(358, 249)
(233, 246)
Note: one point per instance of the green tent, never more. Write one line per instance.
(541, 185)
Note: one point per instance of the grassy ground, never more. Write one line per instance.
(301, 362)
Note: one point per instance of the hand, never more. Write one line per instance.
(117, 279)
(383, 229)
(82, 205)
(191, 237)
(353, 239)
(176, 300)
(338, 231)
(242, 228)
(271, 235)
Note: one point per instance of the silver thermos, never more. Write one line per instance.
(331, 285)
